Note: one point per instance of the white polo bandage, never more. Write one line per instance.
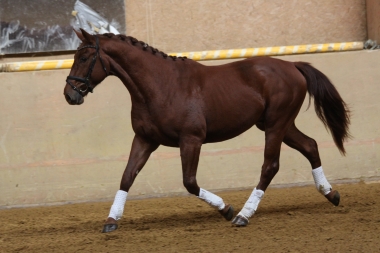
(252, 203)
(321, 182)
(211, 199)
(117, 207)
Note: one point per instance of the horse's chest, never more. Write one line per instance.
(152, 130)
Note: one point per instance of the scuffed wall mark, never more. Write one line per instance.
(63, 162)
(299, 175)
(73, 128)
(259, 149)
(150, 185)
(2, 142)
(149, 22)
(171, 155)
(93, 118)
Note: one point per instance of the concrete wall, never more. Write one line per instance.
(52, 152)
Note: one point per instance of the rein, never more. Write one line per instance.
(86, 81)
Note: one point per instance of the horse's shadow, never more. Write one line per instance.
(199, 218)
(193, 220)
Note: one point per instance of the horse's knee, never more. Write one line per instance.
(271, 169)
(268, 171)
(191, 185)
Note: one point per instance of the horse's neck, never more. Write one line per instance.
(138, 71)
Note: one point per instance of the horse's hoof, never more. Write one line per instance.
(333, 197)
(240, 221)
(109, 228)
(227, 212)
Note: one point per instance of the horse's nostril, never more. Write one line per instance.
(68, 99)
(74, 99)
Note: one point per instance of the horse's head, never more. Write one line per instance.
(88, 70)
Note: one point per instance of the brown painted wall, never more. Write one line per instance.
(192, 25)
(373, 19)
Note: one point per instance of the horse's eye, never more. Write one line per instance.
(83, 59)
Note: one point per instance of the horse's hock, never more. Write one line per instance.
(54, 153)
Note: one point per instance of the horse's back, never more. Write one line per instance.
(262, 74)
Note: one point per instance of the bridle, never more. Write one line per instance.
(86, 81)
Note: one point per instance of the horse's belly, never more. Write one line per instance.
(225, 134)
(231, 108)
(230, 126)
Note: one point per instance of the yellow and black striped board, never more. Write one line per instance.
(202, 55)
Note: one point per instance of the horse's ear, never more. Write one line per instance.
(84, 36)
(88, 37)
(79, 34)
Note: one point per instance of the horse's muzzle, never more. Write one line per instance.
(73, 98)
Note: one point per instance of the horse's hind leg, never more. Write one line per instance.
(308, 147)
(190, 147)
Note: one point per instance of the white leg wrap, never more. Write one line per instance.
(252, 203)
(321, 182)
(117, 207)
(212, 199)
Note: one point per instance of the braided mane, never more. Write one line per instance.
(133, 41)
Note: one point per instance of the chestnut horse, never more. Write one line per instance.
(178, 102)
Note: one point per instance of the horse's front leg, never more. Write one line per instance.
(190, 150)
(273, 139)
(140, 152)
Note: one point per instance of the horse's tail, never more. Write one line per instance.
(329, 106)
